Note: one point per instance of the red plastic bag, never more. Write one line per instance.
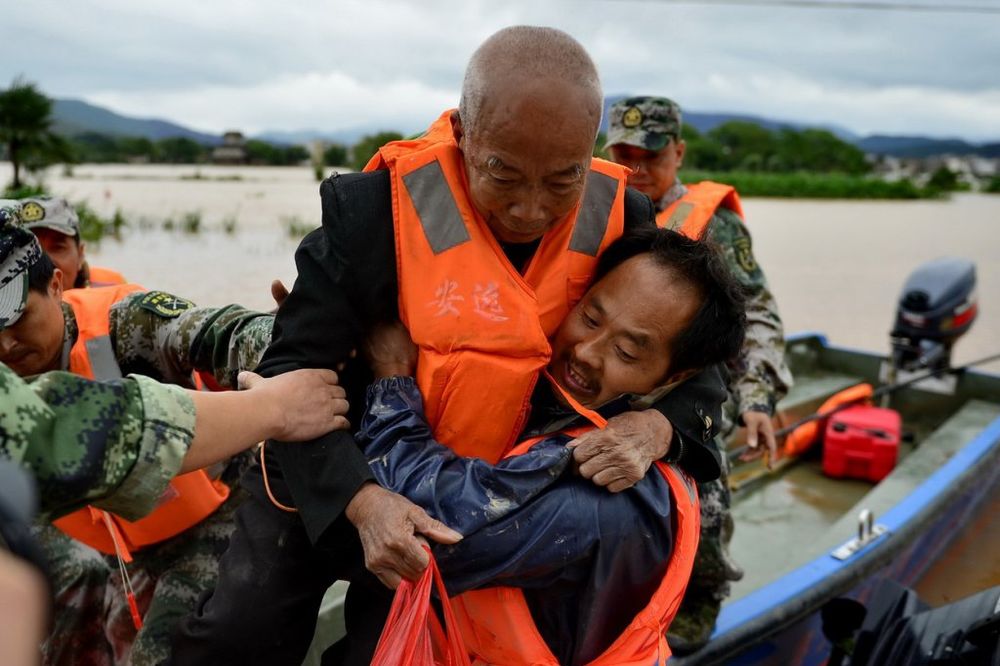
(413, 635)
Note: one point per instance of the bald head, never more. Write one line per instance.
(530, 57)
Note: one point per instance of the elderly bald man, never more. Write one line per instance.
(479, 236)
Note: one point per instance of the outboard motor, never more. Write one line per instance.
(937, 306)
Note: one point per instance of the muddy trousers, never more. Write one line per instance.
(91, 620)
(714, 569)
(271, 582)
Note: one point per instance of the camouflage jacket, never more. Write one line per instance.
(165, 337)
(115, 445)
(759, 378)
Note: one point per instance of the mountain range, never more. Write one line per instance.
(73, 117)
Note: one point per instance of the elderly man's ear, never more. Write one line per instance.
(456, 127)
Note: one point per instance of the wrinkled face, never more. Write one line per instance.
(619, 338)
(527, 157)
(34, 343)
(65, 251)
(653, 171)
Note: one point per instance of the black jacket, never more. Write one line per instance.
(346, 284)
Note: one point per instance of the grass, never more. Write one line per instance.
(229, 223)
(191, 222)
(813, 185)
(93, 227)
(295, 226)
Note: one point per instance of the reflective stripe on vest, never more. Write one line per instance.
(497, 626)
(482, 327)
(191, 498)
(691, 213)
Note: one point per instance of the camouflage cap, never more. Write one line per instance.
(50, 213)
(19, 250)
(644, 122)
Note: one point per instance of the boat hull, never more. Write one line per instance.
(779, 623)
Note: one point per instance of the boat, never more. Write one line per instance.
(805, 539)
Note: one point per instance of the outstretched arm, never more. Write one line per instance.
(118, 444)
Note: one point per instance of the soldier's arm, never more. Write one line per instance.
(118, 444)
(761, 377)
(168, 337)
(115, 445)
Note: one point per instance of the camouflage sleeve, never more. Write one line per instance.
(166, 337)
(760, 377)
(115, 445)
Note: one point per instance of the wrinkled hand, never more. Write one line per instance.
(390, 351)
(307, 403)
(759, 425)
(389, 525)
(618, 456)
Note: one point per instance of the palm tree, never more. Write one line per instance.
(25, 121)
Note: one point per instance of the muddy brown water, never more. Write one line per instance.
(834, 266)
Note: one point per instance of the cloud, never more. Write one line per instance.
(326, 101)
(259, 64)
(864, 109)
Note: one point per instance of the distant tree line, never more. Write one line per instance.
(28, 140)
(747, 147)
(764, 162)
(103, 148)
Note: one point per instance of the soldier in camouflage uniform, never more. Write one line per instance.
(163, 337)
(56, 224)
(117, 445)
(645, 134)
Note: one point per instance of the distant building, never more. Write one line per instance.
(232, 151)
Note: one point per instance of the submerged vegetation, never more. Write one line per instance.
(93, 227)
(295, 226)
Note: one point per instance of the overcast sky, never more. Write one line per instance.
(218, 64)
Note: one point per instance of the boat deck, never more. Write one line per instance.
(786, 518)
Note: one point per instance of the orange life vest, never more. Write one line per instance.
(191, 498)
(496, 622)
(105, 277)
(802, 438)
(481, 327)
(691, 213)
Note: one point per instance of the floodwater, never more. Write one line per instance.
(834, 266)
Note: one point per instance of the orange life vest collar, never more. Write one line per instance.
(498, 628)
(191, 497)
(482, 327)
(105, 277)
(691, 213)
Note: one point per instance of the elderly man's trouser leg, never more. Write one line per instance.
(271, 582)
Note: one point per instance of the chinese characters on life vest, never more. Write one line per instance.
(485, 299)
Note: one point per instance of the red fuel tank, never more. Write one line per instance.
(861, 443)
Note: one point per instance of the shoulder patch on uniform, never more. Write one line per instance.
(164, 304)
